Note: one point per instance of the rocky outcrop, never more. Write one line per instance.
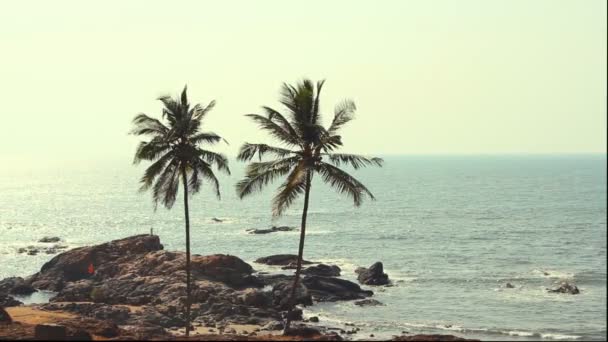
(8, 301)
(330, 289)
(322, 270)
(95, 262)
(374, 275)
(566, 288)
(272, 229)
(281, 260)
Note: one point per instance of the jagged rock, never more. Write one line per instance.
(565, 288)
(322, 270)
(281, 260)
(368, 302)
(314, 319)
(329, 289)
(509, 286)
(374, 275)
(8, 301)
(48, 239)
(256, 298)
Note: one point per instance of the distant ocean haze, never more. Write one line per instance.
(450, 230)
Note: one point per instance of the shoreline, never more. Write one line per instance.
(137, 289)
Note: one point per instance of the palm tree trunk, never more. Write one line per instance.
(188, 302)
(292, 297)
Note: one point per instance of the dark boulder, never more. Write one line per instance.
(281, 260)
(48, 239)
(330, 289)
(368, 302)
(374, 275)
(5, 318)
(322, 270)
(566, 288)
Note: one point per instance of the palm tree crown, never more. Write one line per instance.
(308, 149)
(174, 148)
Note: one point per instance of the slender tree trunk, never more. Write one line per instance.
(296, 281)
(188, 282)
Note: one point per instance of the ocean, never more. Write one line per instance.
(451, 231)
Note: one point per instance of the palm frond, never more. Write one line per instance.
(248, 151)
(356, 161)
(258, 175)
(344, 112)
(220, 160)
(277, 117)
(343, 182)
(145, 125)
(275, 130)
(151, 150)
(154, 170)
(205, 171)
(166, 186)
(315, 109)
(290, 189)
(207, 138)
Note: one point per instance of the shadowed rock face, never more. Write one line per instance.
(8, 301)
(5, 318)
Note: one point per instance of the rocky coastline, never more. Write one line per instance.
(133, 288)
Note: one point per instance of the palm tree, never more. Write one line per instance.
(308, 150)
(175, 151)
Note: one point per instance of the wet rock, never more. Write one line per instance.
(322, 270)
(215, 219)
(48, 239)
(256, 298)
(374, 275)
(8, 301)
(314, 319)
(368, 302)
(5, 318)
(330, 289)
(273, 229)
(294, 315)
(565, 288)
(281, 260)
(50, 332)
(509, 286)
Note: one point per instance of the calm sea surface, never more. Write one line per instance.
(451, 232)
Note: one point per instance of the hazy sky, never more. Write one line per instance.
(482, 76)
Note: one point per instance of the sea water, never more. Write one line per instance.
(451, 231)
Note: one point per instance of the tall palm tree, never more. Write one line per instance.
(308, 150)
(175, 150)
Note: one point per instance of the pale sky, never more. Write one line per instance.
(428, 77)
